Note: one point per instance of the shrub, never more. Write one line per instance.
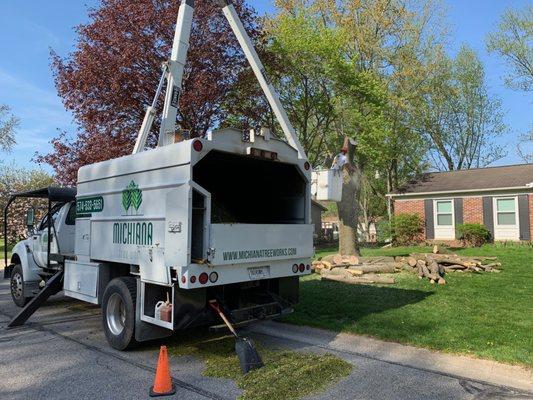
(473, 235)
(406, 229)
(383, 231)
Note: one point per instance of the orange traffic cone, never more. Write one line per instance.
(163, 385)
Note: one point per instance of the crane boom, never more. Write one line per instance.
(176, 67)
(260, 73)
(177, 62)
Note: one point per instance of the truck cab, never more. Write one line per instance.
(36, 258)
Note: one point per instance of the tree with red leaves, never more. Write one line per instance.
(113, 73)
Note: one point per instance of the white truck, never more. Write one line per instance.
(226, 217)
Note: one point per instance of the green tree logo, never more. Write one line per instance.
(132, 196)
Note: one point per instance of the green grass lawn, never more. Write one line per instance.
(489, 315)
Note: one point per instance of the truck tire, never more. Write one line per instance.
(17, 287)
(118, 312)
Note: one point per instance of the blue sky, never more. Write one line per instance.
(28, 29)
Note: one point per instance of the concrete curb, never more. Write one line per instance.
(461, 367)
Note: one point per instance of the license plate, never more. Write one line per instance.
(259, 273)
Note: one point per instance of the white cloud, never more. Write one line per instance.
(41, 114)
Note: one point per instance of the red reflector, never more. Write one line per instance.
(295, 268)
(197, 145)
(302, 268)
(183, 279)
(203, 278)
(193, 279)
(307, 166)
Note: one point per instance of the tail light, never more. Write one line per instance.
(184, 279)
(307, 165)
(203, 278)
(308, 267)
(197, 145)
(192, 279)
(295, 268)
(302, 268)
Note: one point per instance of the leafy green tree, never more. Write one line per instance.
(513, 42)
(459, 117)
(369, 59)
(525, 145)
(16, 179)
(8, 127)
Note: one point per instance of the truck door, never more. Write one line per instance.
(66, 228)
(40, 238)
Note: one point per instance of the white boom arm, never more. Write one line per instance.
(178, 59)
(149, 116)
(175, 76)
(260, 73)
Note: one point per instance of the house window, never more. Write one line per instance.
(506, 211)
(444, 212)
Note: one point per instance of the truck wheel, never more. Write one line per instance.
(118, 312)
(17, 286)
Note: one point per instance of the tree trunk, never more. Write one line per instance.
(348, 206)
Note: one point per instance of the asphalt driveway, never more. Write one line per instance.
(61, 353)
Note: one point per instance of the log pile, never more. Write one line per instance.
(368, 270)
(434, 265)
(356, 270)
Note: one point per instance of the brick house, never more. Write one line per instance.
(501, 198)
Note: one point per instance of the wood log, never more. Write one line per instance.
(327, 264)
(433, 271)
(352, 260)
(377, 260)
(317, 267)
(381, 268)
(335, 271)
(338, 260)
(354, 272)
(420, 263)
(446, 259)
(454, 267)
(412, 261)
(359, 280)
(491, 265)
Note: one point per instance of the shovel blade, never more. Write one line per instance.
(249, 358)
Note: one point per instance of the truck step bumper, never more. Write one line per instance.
(249, 315)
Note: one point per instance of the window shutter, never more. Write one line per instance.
(430, 224)
(523, 215)
(458, 209)
(488, 216)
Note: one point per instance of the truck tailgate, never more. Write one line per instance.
(249, 243)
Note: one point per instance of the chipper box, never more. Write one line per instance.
(155, 236)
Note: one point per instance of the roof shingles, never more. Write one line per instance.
(512, 176)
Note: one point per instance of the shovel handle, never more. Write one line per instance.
(217, 309)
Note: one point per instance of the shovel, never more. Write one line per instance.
(248, 356)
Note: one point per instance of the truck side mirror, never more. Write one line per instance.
(30, 218)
